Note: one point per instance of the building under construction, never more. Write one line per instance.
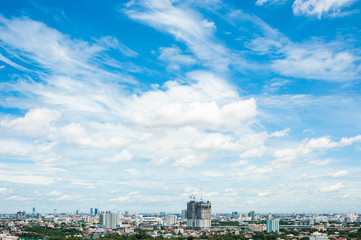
(198, 215)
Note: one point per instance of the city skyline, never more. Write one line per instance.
(136, 105)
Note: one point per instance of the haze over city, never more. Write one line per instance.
(136, 105)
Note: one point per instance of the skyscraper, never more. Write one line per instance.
(96, 211)
(91, 211)
(198, 215)
(273, 225)
(251, 215)
(110, 220)
(20, 216)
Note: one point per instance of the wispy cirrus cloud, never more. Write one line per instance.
(186, 25)
(320, 8)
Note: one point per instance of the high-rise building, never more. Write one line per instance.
(198, 215)
(96, 211)
(34, 212)
(20, 216)
(251, 215)
(110, 220)
(161, 214)
(91, 211)
(184, 213)
(273, 225)
(170, 220)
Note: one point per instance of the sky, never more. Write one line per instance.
(136, 105)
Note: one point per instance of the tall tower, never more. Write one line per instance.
(273, 225)
(198, 215)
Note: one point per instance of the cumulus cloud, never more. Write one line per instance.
(208, 103)
(36, 122)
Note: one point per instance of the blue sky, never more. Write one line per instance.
(134, 105)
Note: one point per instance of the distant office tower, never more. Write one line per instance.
(251, 215)
(77, 212)
(235, 214)
(198, 215)
(110, 220)
(273, 225)
(91, 211)
(20, 216)
(96, 211)
(170, 220)
(34, 212)
(184, 213)
(162, 214)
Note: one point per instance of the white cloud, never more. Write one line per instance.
(320, 8)
(82, 183)
(112, 42)
(3, 190)
(189, 160)
(68, 197)
(213, 173)
(333, 188)
(55, 193)
(132, 171)
(123, 156)
(36, 122)
(75, 133)
(340, 173)
(210, 194)
(316, 61)
(310, 59)
(17, 198)
(320, 162)
(174, 57)
(254, 152)
(264, 194)
(159, 161)
(209, 103)
(125, 198)
(282, 133)
(263, 2)
(185, 25)
(27, 179)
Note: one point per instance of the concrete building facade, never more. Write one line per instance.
(198, 215)
(273, 225)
